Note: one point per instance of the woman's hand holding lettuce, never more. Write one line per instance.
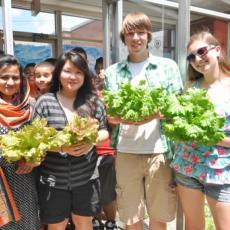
(32, 141)
(187, 117)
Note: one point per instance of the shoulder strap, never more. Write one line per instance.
(197, 84)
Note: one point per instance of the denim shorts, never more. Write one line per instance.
(219, 192)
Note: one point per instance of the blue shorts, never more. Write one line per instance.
(219, 192)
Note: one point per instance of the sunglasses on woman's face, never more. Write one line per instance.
(200, 52)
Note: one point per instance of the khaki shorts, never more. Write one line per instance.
(144, 181)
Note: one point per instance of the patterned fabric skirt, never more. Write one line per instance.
(23, 188)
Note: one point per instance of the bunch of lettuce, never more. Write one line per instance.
(130, 103)
(32, 141)
(192, 117)
(187, 117)
(80, 130)
(29, 143)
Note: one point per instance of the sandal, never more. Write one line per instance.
(111, 225)
(97, 224)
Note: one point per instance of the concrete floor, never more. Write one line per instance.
(170, 226)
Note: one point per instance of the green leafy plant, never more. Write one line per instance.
(29, 143)
(130, 103)
(193, 118)
(187, 117)
(80, 130)
(32, 141)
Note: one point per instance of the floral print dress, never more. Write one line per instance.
(208, 164)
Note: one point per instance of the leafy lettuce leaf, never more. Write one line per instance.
(188, 117)
(32, 141)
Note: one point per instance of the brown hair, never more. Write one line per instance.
(211, 40)
(45, 64)
(136, 21)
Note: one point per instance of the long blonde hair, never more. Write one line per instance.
(207, 37)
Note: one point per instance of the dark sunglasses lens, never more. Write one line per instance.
(202, 51)
(191, 57)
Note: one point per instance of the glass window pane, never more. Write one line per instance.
(164, 21)
(1, 25)
(23, 21)
(70, 23)
(85, 33)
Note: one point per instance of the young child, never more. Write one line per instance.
(106, 167)
(28, 73)
(43, 77)
(99, 78)
(107, 179)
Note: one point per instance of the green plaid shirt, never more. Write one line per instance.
(160, 72)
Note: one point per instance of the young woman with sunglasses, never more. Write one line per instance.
(204, 171)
